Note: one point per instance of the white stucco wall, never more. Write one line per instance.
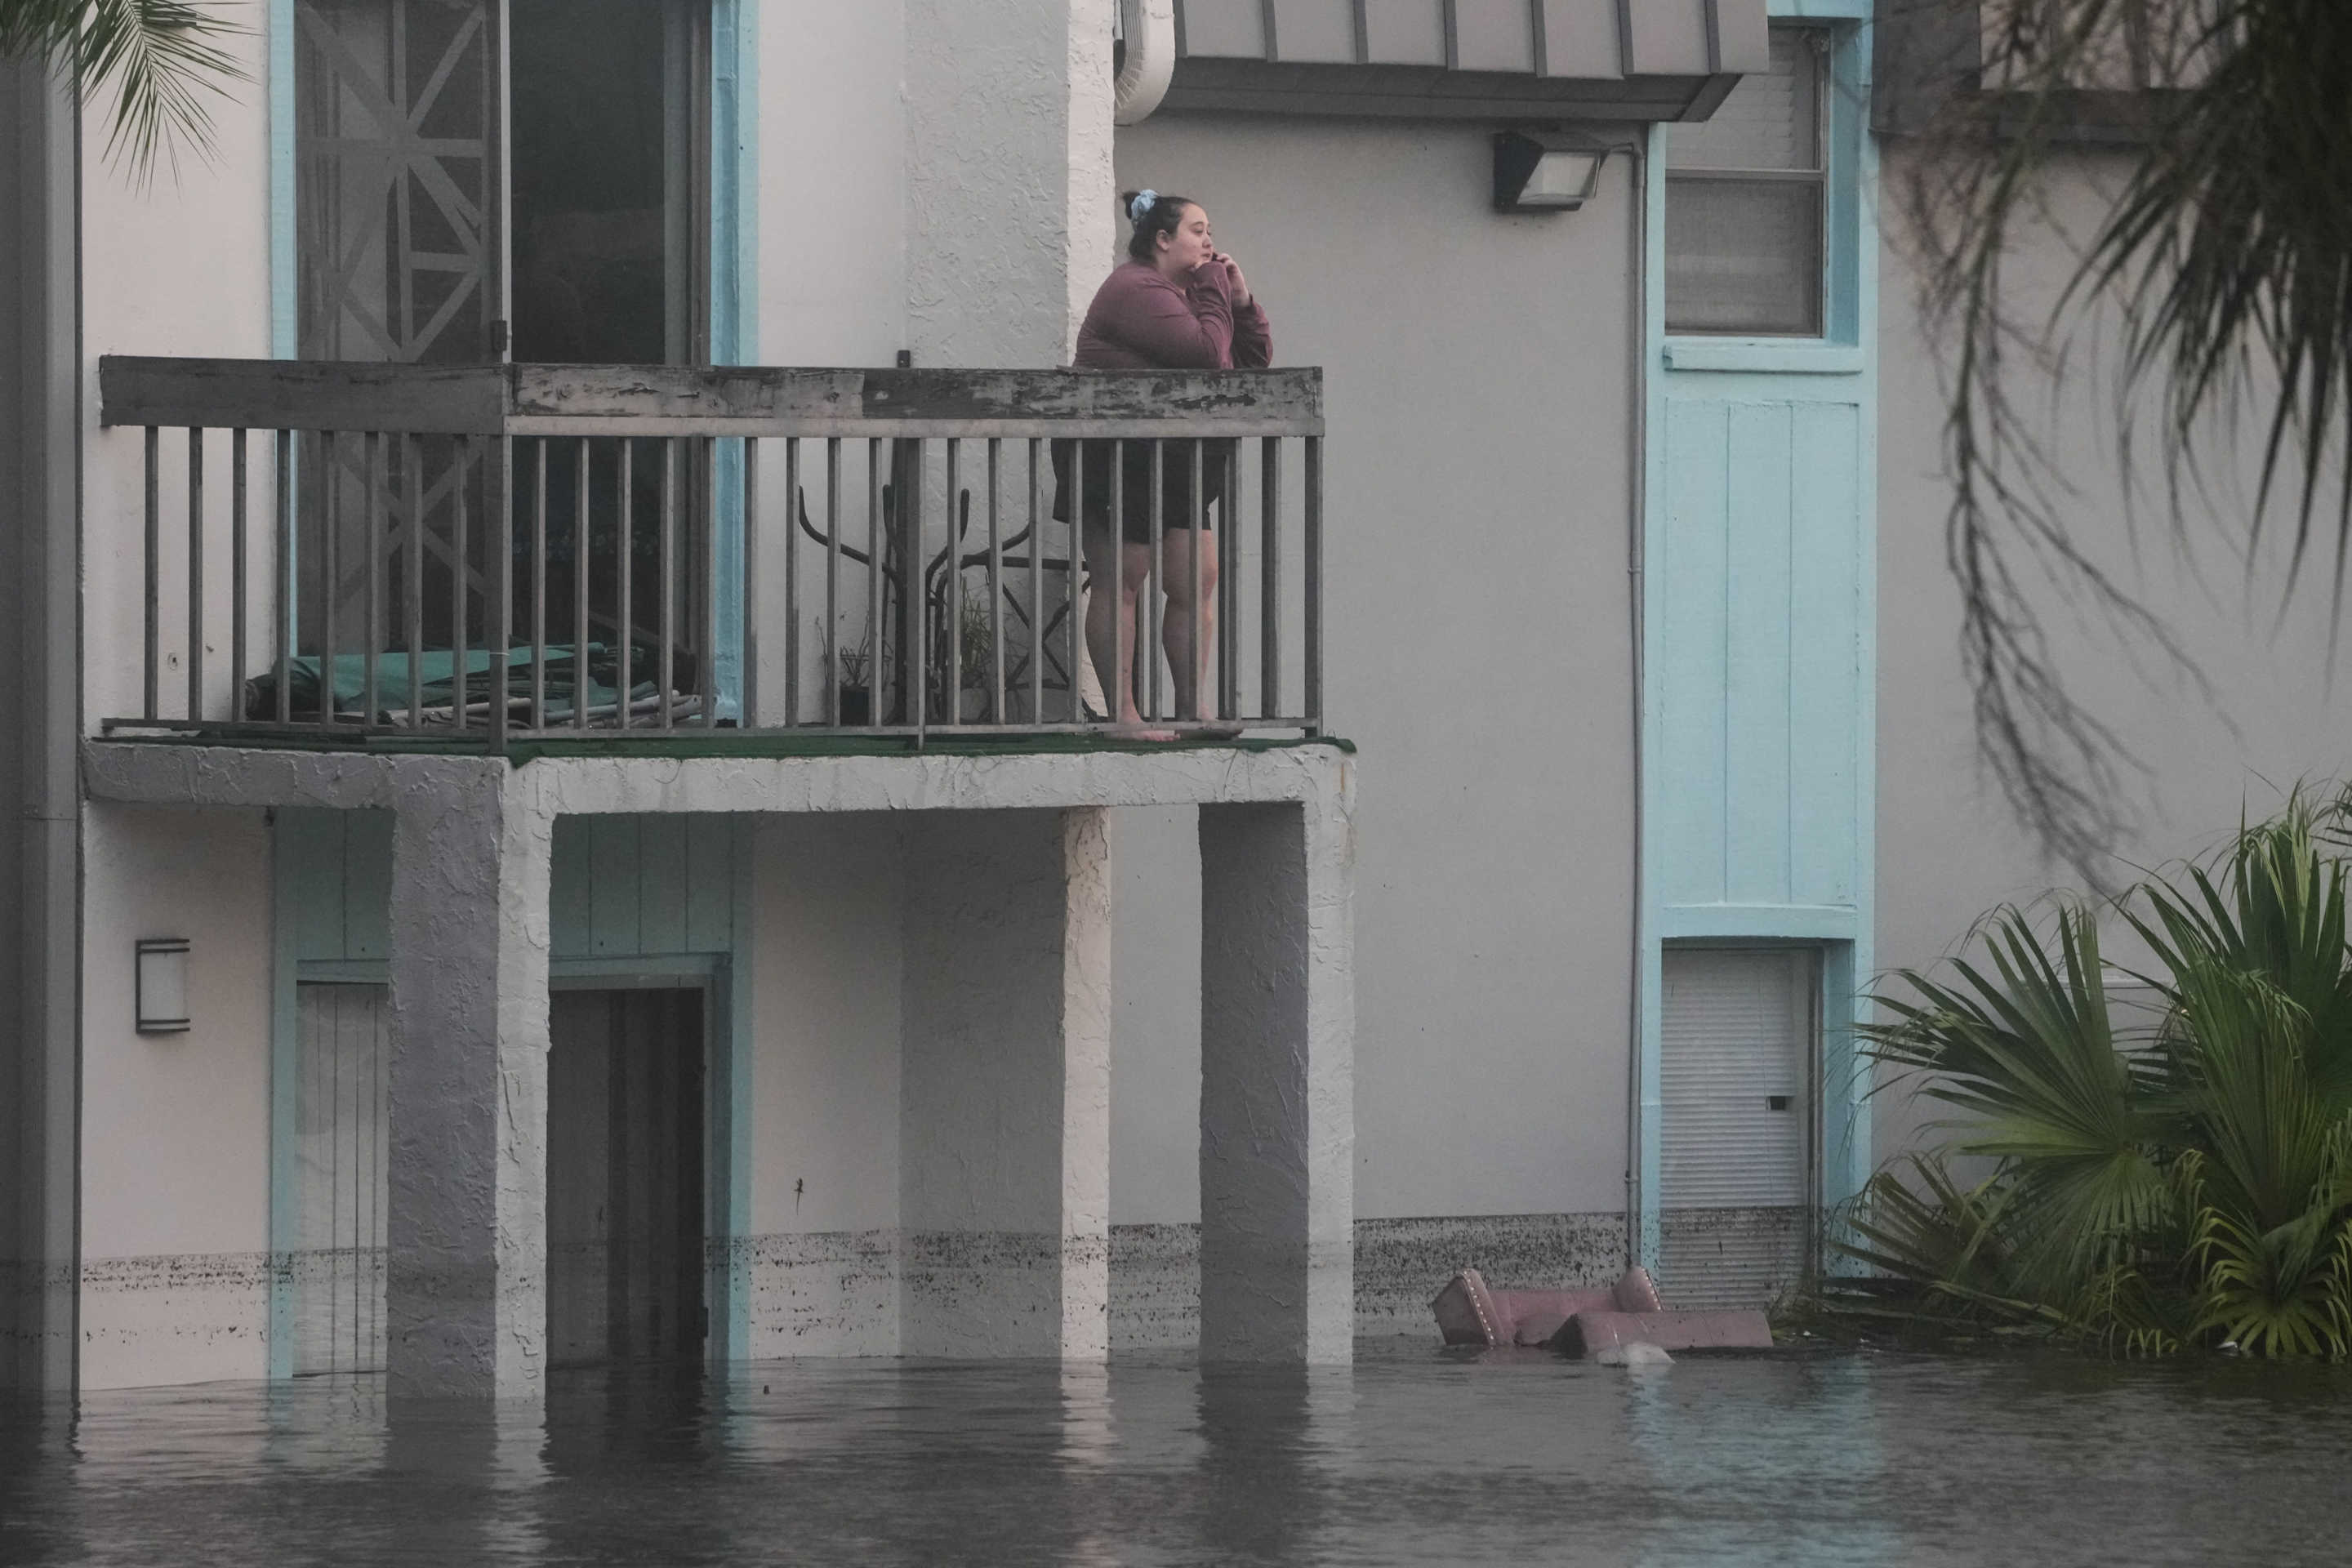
(826, 918)
(176, 1128)
(831, 182)
(175, 265)
(1948, 847)
(1477, 651)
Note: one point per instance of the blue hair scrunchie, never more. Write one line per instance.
(1141, 205)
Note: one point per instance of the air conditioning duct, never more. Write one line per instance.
(1146, 58)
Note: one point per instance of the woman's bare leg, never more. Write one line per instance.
(1188, 653)
(1133, 569)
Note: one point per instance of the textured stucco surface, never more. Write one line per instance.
(466, 1222)
(137, 773)
(1277, 1082)
(1009, 193)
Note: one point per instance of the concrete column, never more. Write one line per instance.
(1277, 1082)
(467, 1231)
(1011, 199)
(1004, 1075)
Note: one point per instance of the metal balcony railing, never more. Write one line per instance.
(482, 555)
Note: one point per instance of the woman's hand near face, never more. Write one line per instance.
(1236, 285)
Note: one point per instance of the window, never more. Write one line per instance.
(1747, 202)
(408, 208)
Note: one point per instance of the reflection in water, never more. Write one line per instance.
(1798, 1478)
(1410, 1457)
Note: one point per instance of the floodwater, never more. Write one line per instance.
(1412, 1456)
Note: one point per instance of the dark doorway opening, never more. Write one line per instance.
(625, 1176)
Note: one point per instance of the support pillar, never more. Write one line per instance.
(40, 714)
(1277, 1082)
(1004, 1086)
(1004, 251)
(466, 1228)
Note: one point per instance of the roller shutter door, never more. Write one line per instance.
(1735, 1197)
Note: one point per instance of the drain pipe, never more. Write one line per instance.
(1635, 562)
(1147, 58)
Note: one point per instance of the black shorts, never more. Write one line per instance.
(1177, 509)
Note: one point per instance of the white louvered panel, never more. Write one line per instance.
(1730, 1043)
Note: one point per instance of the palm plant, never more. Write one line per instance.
(162, 58)
(2188, 1183)
(2224, 255)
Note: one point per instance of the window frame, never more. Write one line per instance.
(1837, 348)
(724, 318)
(1823, 45)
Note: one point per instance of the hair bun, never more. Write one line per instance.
(1140, 203)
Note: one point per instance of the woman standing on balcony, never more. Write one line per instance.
(1176, 303)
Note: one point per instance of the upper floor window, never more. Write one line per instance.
(1747, 202)
(472, 173)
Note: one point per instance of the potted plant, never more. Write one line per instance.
(853, 679)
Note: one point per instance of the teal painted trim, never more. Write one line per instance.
(735, 1338)
(734, 298)
(1849, 234)
(285, 1082)
(343, 971)
(1843, 311)
(1764, 356)
(1843, 389)
(1845, 1174)
(647, 970)
(282, 281)
(1801, 922)
(1846, 1142)
(1846, 1154)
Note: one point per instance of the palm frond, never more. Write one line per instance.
(161, 58)
(2225, 256)
(2144, 1195)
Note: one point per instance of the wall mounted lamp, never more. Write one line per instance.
(1545, 171)
(163, 985)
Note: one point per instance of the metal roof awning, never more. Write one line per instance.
(1466, 60)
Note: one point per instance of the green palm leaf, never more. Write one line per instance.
(2194, 1185)
(160, 58)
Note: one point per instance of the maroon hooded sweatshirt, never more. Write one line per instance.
(1143, 320)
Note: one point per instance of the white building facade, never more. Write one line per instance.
(650, 883)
